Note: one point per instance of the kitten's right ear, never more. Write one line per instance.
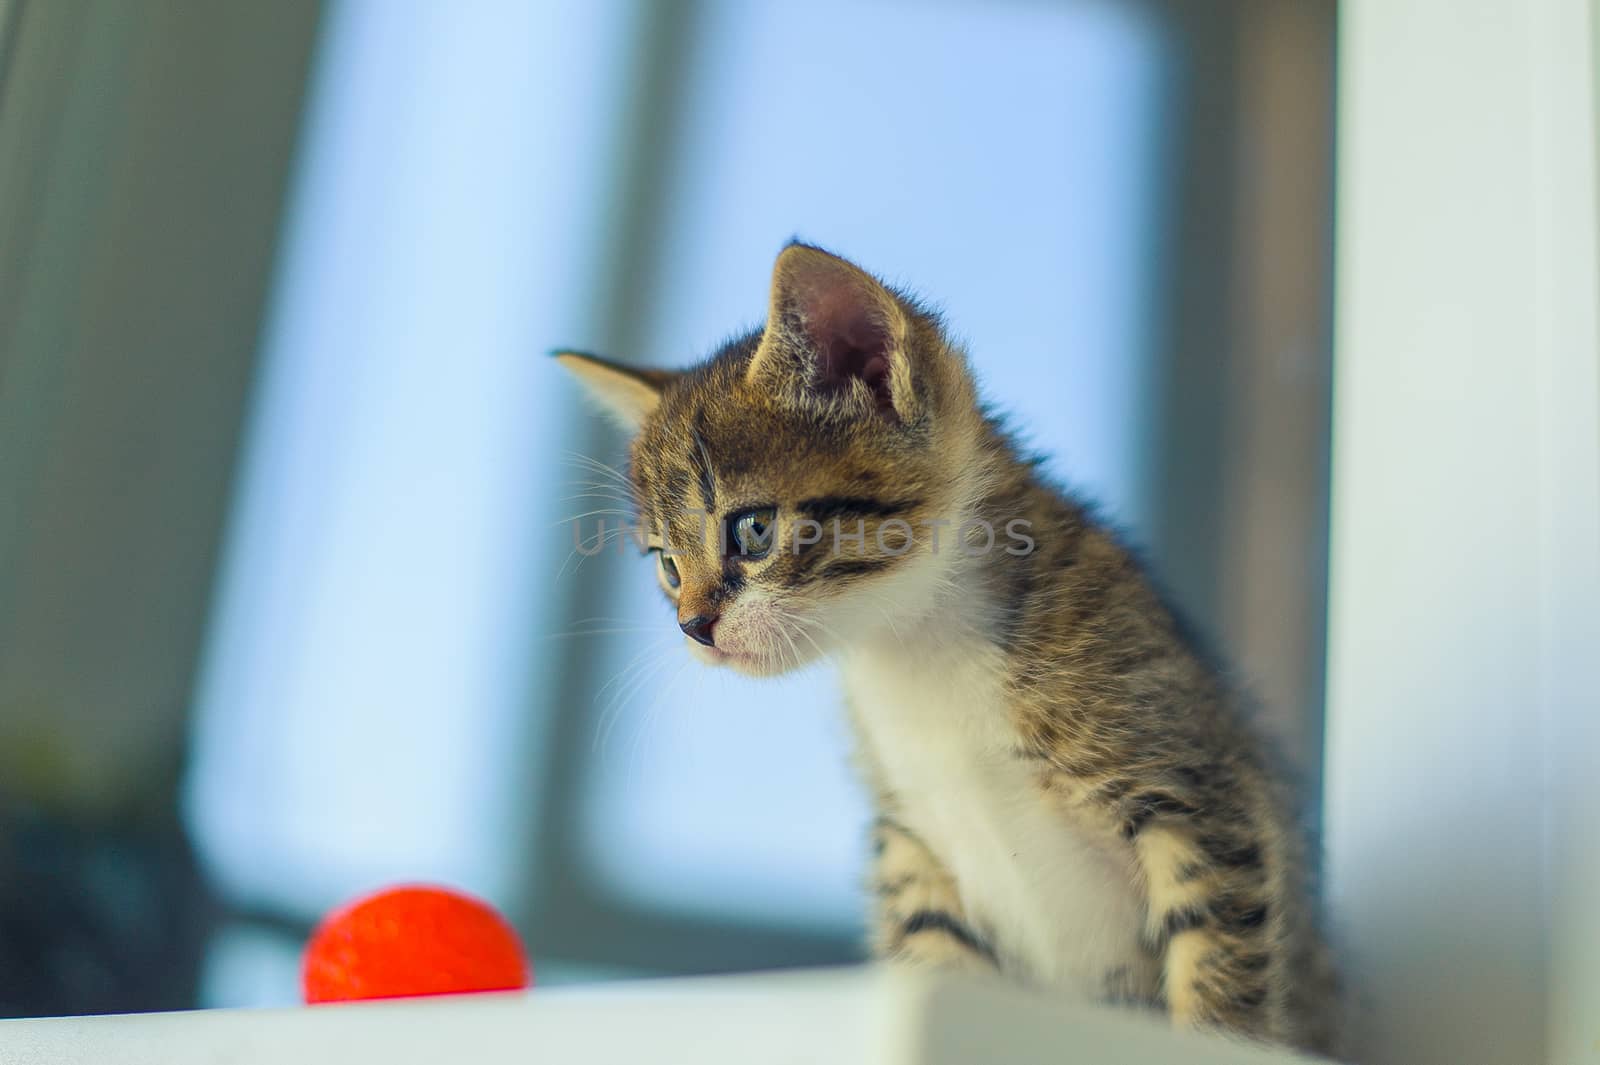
(627, 393)
(835, 333)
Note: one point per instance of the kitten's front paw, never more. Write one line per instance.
(941, 953)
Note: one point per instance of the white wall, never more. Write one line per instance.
(1464, 581)
(1567, 85)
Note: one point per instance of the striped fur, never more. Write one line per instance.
(1069, 794)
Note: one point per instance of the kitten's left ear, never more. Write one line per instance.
(627, 393)
(835, 332)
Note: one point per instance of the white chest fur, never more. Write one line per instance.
(1060, 902)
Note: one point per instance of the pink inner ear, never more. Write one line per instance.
(850, 341)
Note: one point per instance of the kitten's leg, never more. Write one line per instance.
(1211, 920)
(918, 916)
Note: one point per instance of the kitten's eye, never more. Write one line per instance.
(669, 569)
(750, 532)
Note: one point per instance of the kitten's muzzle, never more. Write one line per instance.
(698, 628)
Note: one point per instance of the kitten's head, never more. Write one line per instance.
(754, 472)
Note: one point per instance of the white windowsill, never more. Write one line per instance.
(839, 1016)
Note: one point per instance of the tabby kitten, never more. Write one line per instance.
(1066, 792)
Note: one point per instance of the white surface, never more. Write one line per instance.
(1463, 586)
(1567, 232)
(846, 1017)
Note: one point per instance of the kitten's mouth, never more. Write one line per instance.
(754, 665)
(715, 655)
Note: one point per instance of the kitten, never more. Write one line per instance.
(1066, 791)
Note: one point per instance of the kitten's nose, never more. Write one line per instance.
(698, 628)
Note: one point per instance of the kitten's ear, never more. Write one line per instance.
(834, 331)
(627, 394)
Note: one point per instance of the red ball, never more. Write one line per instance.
(413, 941)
